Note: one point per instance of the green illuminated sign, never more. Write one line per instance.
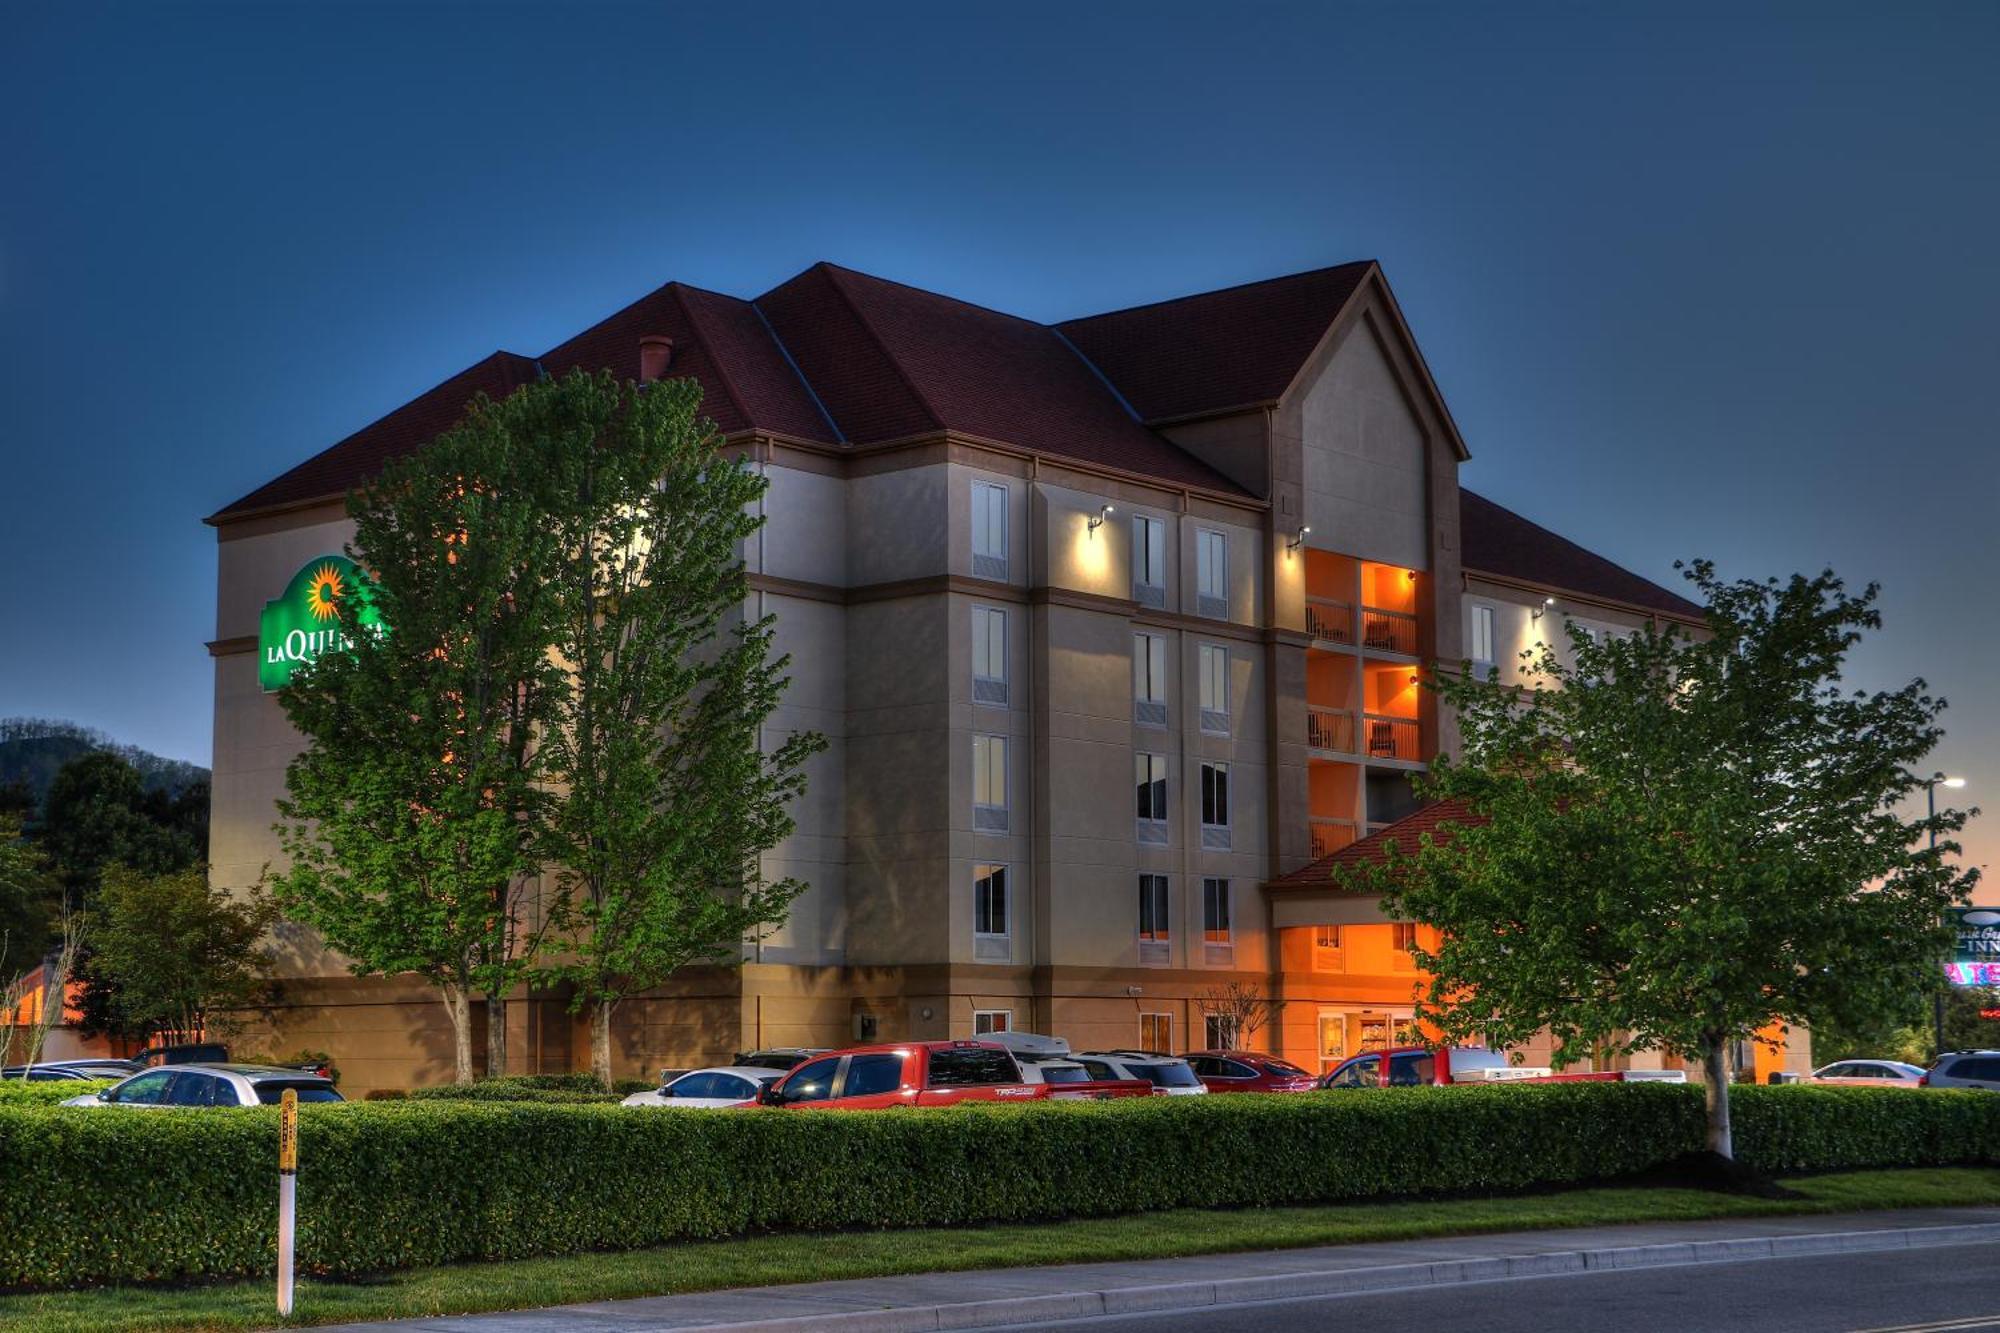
(304, 622)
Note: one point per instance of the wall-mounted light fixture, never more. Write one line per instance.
(1103, 512)
(1300, 540)
(1543, 609)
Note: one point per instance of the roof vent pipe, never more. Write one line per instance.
(655, 352)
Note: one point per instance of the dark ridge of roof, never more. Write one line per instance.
(1496, 540)
(1000, 377)
(1220, 349)
(341, 467)
(1404, 835)
(864, 390)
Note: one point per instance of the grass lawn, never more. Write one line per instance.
(471, 1288)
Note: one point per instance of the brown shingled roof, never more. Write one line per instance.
(1495, 540)
(1232, 348)
(1404, 835)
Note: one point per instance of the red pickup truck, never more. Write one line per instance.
(1415, 1066)
(927, 1073)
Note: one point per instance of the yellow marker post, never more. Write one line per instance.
(288, 1193)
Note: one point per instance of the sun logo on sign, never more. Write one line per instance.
(322, 591)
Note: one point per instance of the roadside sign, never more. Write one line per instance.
(288, 1194)
(1975, 955)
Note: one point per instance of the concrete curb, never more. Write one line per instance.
(1388, 1277)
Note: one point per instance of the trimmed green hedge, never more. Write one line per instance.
(48, 1092)
(109, 1195)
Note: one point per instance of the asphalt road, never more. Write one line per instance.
(1948, 1288)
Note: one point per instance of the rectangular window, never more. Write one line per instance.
(1211, 564)
(1215, 927)
(1215, 807)
(1220, 1030)
(1327, 949)
(1149, 679)
(1404, 939)
(989, 900)
(1149, 561)
(989, 655)
(1149, 776)
(1153, 927)
(1481, 647)
(988, 1021)
(1156, 1032)
(989, 783)
(1215, 688)
(989, 530)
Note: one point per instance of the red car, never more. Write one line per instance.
(1247, 1071)
(927, 1073)
(1418, 1066)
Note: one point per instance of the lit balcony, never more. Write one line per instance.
(1385, 631)
(1330, 729)
(1328, 621)
(1329, 835)
(1391, 738)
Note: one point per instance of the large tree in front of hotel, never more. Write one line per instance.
(669, 793)
(1676, 842)
(411, 816)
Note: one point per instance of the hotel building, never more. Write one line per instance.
(1117, 629)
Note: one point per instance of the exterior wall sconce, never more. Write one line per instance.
(1300, 540)
(1104, 512)
(1543, 609)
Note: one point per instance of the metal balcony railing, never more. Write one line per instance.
(1390, 738)
(1329, 621)
(1330, 729)
(1330, 835)
(1389, 631)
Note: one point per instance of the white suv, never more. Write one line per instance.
(1169, 1074)
(1965, 1069)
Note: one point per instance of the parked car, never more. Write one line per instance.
(1869, 1074)
(780, 1058)
(1169, 1074)
(926, 1073)
(1418, 1066)
(710, 1089)
(1247, 1071)
(211, 1085)
(204, 1053)
(46, 1073)
(1964, 1069)
(1041, 1059)
(97, 1066)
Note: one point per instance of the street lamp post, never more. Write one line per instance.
(1930, 809)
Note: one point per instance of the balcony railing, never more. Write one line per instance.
(1390, 738)
(1330, 729)
(1389, 631)
(1330, 835)
(1329, 621)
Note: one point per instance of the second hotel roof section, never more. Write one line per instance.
(839, 358)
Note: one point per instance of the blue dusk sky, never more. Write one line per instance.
(1695, 280)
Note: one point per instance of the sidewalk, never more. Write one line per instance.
(993, 1297)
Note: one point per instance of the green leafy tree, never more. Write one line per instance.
(99, 812)
(667, 794)
(29, 901)
(177, 950)
(1677, 842)
(411, 814)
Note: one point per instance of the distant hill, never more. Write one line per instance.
(34, 749)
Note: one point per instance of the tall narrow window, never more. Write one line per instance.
(1328, 955)
(1150, 778)
(1404, 939)
(989, 655)
(1482, 643)
(1149, 561)
(1215, 689)
(1149, 679)
(1211, 567)
(1154, 930)
(989, 900)
(1221, 1031)
(1215, 807)
(989, 530)
(1215, 928)
(989, 783)
(1156, 1032)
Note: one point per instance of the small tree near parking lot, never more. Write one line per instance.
(1676, 843)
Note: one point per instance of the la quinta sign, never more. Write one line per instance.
(304, 621)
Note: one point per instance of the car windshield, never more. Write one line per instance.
(1174, 1075)
(272, 1092)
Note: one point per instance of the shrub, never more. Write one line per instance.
(36, 1092)
(107, 1196)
